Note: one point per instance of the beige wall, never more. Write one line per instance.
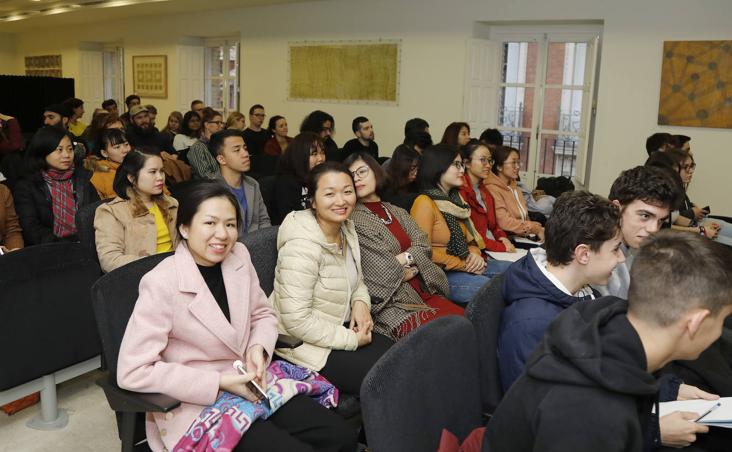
(8, 60)
(434, 35)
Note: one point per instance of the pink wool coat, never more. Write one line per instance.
(178, 341)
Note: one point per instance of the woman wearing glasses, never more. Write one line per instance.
(203, 164)
(445, 217)
(511, 210)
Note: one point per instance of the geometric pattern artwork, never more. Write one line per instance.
(150, 76)
(43, 65)
(696, 84)
(346, 71)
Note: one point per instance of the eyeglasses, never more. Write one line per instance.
(485, 161)
(458, 164)
(690, 167)
(259, 115)
(516, 163)
(220, 123)
(361, 172)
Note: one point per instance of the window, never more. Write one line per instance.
(221, 75)
(112, 63)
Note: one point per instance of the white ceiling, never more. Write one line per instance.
(25, 15)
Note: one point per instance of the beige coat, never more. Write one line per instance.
(311, 290)
(122, 238)
(511, 211)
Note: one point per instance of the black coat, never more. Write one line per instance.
(33, 205)
(288, 197)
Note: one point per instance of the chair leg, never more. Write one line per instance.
(50, 417)
(127, 431)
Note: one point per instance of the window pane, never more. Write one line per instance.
(214, 61)
(558, 154)
(520, 141)
(233, 59)
(562, 110)
(566, 63)
(516, 106)
(232, 96)
(519, 62)
(215, 94)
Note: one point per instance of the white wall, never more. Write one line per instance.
(433, 35)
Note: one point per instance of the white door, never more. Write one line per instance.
(190, 76)
(479, 99)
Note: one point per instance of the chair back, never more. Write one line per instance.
(46, 318)
(262, 246)
(484, 311)
(113, 297)
(85, 227)
(267, 188)
(424, 383)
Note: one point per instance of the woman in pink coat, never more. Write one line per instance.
(200, 310)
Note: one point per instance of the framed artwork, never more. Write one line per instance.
(363, 72)
(43, 65)
(696, 84)
(150, 76)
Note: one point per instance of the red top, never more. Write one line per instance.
(398, 232)
(483, 219)
(272, 147)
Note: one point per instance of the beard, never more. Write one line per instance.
(147, 130)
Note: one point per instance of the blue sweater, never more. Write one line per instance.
(532, 302)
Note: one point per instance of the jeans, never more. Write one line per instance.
(464, 286)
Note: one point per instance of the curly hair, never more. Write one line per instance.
(649, 184)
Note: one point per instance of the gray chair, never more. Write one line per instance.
(484, 311)
(424, 383)
(262, 246)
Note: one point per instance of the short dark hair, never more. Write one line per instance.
(217, 140)
(492, 137)
(415, 125)
(379, 173)
(500, 155)
(296, 161)
(319, 171)
(73, 102)
(676, 271)
(132, 164)
(152, 109)
(649, 184)
(130, 98)
(680, 140)
(185, 128)
(315, 120)
(421, 140)
(208, 114)
(60, 109)
(452, 131)
(657, 141)
(197, 101)
(399, 167)
(578, 218)
(196, 194)
(435, 161)
(356, 124)
(110, 137)
(44, 141)
(108, 103)
(254, 107)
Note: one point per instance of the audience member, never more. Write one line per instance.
(407, 289)
(233, 158)
(319, 293)
(11, 145)
(76, 107)
(113, 149)
(303, 154)
(682, 142)
(456, 134)
(491, 138)
(594, 367)
(141, 133)
(197, 106)
(364, 141)
(658, 142)
(236, 120)
(172, 127)
(93, 131)
(202, 162)
(443, 215)
(255, 135)
(130, 101)
(110, 105)
(11, 235)
(322, 124)
(511, 210)
(113, 122)
(188, 353)
(278, 142)
(140, 221)
(417, 134)
(582, 247)
(153, 113)
(478, 162)
(190, 132)
(54, 189)
(645, 196)
(401, 172)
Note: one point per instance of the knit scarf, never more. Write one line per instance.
(62, 201)
(454, 210)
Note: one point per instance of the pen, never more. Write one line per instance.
(714, 407)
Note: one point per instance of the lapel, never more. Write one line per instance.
(378, 232)
(204, 306)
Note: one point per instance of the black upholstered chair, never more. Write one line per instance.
(85, 227)
(424, 383)
(262, 246)
(484, 311)
(267, 187)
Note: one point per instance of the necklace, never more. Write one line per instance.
(388, 220)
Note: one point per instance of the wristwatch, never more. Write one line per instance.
(409, 258)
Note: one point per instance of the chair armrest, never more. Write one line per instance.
(284, 341)
(128, 401)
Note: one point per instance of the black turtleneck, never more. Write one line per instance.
(215, 282)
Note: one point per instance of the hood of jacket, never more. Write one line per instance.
(493, 179)
(594, 345)
(301, 224)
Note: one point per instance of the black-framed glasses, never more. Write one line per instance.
(458, 164)
(484, 161)
(361, 172)
(220, 123)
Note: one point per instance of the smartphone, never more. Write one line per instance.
(707, 209)
(252, 385)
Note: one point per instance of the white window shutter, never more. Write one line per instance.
(190, 76)
(91, 82)
(480, 101)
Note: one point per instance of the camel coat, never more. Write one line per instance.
(11, 235)
(511, 211)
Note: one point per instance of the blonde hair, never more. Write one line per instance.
(233, 116)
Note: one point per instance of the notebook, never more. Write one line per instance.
(719, 416)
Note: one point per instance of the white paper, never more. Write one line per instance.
(511, 257)
(719, 417)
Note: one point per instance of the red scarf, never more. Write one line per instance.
(62, 201)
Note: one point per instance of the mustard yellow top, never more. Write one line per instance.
(164, 244)
(77, 128)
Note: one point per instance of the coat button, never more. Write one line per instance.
(169, 415)
(163, 432)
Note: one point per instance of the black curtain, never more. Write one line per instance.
(24, 97)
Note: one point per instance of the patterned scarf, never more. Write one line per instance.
(455, 211)
(222, 425)
(62, 201)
